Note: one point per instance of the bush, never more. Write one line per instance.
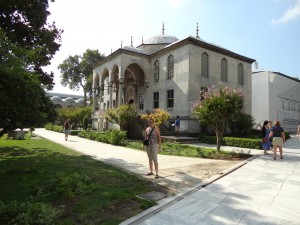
(116, 137)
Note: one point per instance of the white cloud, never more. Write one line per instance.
(289, 15)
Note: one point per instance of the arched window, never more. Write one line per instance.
(204, 65)
(156, 72)
(240, 74)
(224, 70)
(170, 67)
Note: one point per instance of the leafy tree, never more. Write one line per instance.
(159, 116)
(33, 40)
(77, 69)
(25, 105)
(241, 124)
(122, 115)
(217, 107)
(23, 102)
(75, 114)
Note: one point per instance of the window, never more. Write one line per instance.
(170, 98)
(224, 70)
(141, 102)
(156, 72)
(240, 74)
(156, 100)
(170, 67)
(204, 66)
(203, 90)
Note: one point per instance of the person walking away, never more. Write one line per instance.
(67, 126)
(278, 135)
(298, 131)
(153, 135)
(265, 137)
(270, 126)
(177, 126)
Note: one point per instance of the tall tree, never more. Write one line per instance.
(76, 71)
(217, 107)
(27, 44)
(25, 25)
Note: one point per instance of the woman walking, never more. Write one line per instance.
(277, 133)
(152, 134)
(266, 144)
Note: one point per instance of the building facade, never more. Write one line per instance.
(276, 96)
(65, 100)
(164, 72)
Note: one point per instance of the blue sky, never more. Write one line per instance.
(265, 30)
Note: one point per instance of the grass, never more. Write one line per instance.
(176, 149)
(45, 183)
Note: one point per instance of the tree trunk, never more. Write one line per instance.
(219, 140)
(84, 101)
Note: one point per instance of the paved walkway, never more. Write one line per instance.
(262, 191)
(179, 174)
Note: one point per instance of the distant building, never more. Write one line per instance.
(276, 96)
(66, 100)
(168, 73)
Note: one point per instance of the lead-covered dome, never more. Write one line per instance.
(161, 39)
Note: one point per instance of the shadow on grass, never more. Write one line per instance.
(78, 186)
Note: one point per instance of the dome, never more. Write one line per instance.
(69, 100)
(56, 98)
(80, 101)
(161, 39)
(133, 49)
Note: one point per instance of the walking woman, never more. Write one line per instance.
(153, 135)
(277, 133)
(67, 126)
(266, 144)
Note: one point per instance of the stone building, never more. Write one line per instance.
(276, 96)
(168, 73)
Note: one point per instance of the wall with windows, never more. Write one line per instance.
(175, 73)
(276, 96)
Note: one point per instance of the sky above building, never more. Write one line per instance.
(265, 30)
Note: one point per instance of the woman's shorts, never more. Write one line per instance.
(152, 152)
(67, 131)
(278, 141)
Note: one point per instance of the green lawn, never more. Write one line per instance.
(45, 183)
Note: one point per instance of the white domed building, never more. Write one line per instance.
(65, 100)
(168, 73)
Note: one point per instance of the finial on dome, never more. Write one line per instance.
(131, 42)
(163, 29)
(142, 40)
(197, 31)
(121, 44)
(110, 50)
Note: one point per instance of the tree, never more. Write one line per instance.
(25, 105)
(217, 107)
(27, 44)
(159, 116)
(122, 115)
(240, 123)
(76, 71)
(25, 26)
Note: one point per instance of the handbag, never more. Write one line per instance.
(146, 141)
(265, 140)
